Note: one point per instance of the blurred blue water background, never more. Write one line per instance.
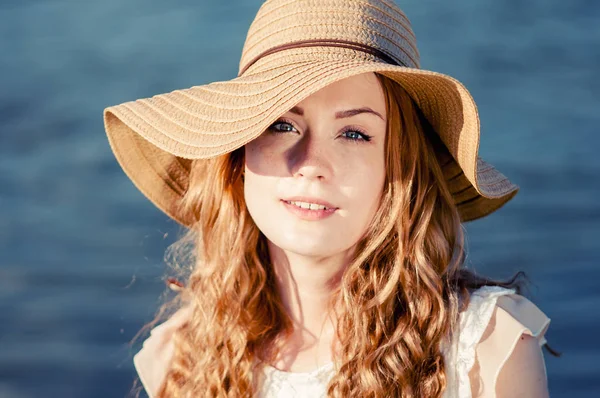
(81, 249)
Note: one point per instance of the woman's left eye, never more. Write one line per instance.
(356, 135)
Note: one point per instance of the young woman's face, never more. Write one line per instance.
(327, 151)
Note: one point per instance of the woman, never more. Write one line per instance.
(324, 190)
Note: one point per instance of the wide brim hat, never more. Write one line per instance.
(292, 50)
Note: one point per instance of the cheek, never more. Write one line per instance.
(257, 203)
(256, 178)
(364, 185)
(263, 156)
(365, 178)
(260, 185)
(257, 158)
(262, 166)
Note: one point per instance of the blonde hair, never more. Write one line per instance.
(398, 298)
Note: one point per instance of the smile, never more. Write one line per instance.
(306, 205)
(308, 211)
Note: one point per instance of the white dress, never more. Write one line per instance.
(511, 316)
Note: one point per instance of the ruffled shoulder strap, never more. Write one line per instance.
(488, 331)
(513, 316)
(153, 360)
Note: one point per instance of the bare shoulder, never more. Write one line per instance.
(524, 373)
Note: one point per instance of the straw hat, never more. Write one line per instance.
(293, 49)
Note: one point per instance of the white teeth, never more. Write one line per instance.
(310, 206)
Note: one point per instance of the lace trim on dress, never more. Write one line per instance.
(278, 383)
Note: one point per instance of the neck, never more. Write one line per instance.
(306, 285)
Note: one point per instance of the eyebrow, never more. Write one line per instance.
(343, 114)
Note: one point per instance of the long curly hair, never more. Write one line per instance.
(397, 303)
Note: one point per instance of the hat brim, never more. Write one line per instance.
(155, 138)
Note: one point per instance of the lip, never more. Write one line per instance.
(307, 214)
(308, 199)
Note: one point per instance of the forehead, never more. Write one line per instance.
(352, 92)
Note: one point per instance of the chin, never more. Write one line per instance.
(309, 247)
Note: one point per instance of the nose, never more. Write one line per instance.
(309, 158)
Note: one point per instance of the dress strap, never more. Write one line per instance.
(513, 316)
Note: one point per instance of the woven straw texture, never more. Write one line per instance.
(293, 49)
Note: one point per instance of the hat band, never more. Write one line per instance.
(326, 43)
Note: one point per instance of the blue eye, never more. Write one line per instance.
(288, 128)
(355, 135)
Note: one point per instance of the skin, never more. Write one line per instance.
(313, 155)
(524, 373)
